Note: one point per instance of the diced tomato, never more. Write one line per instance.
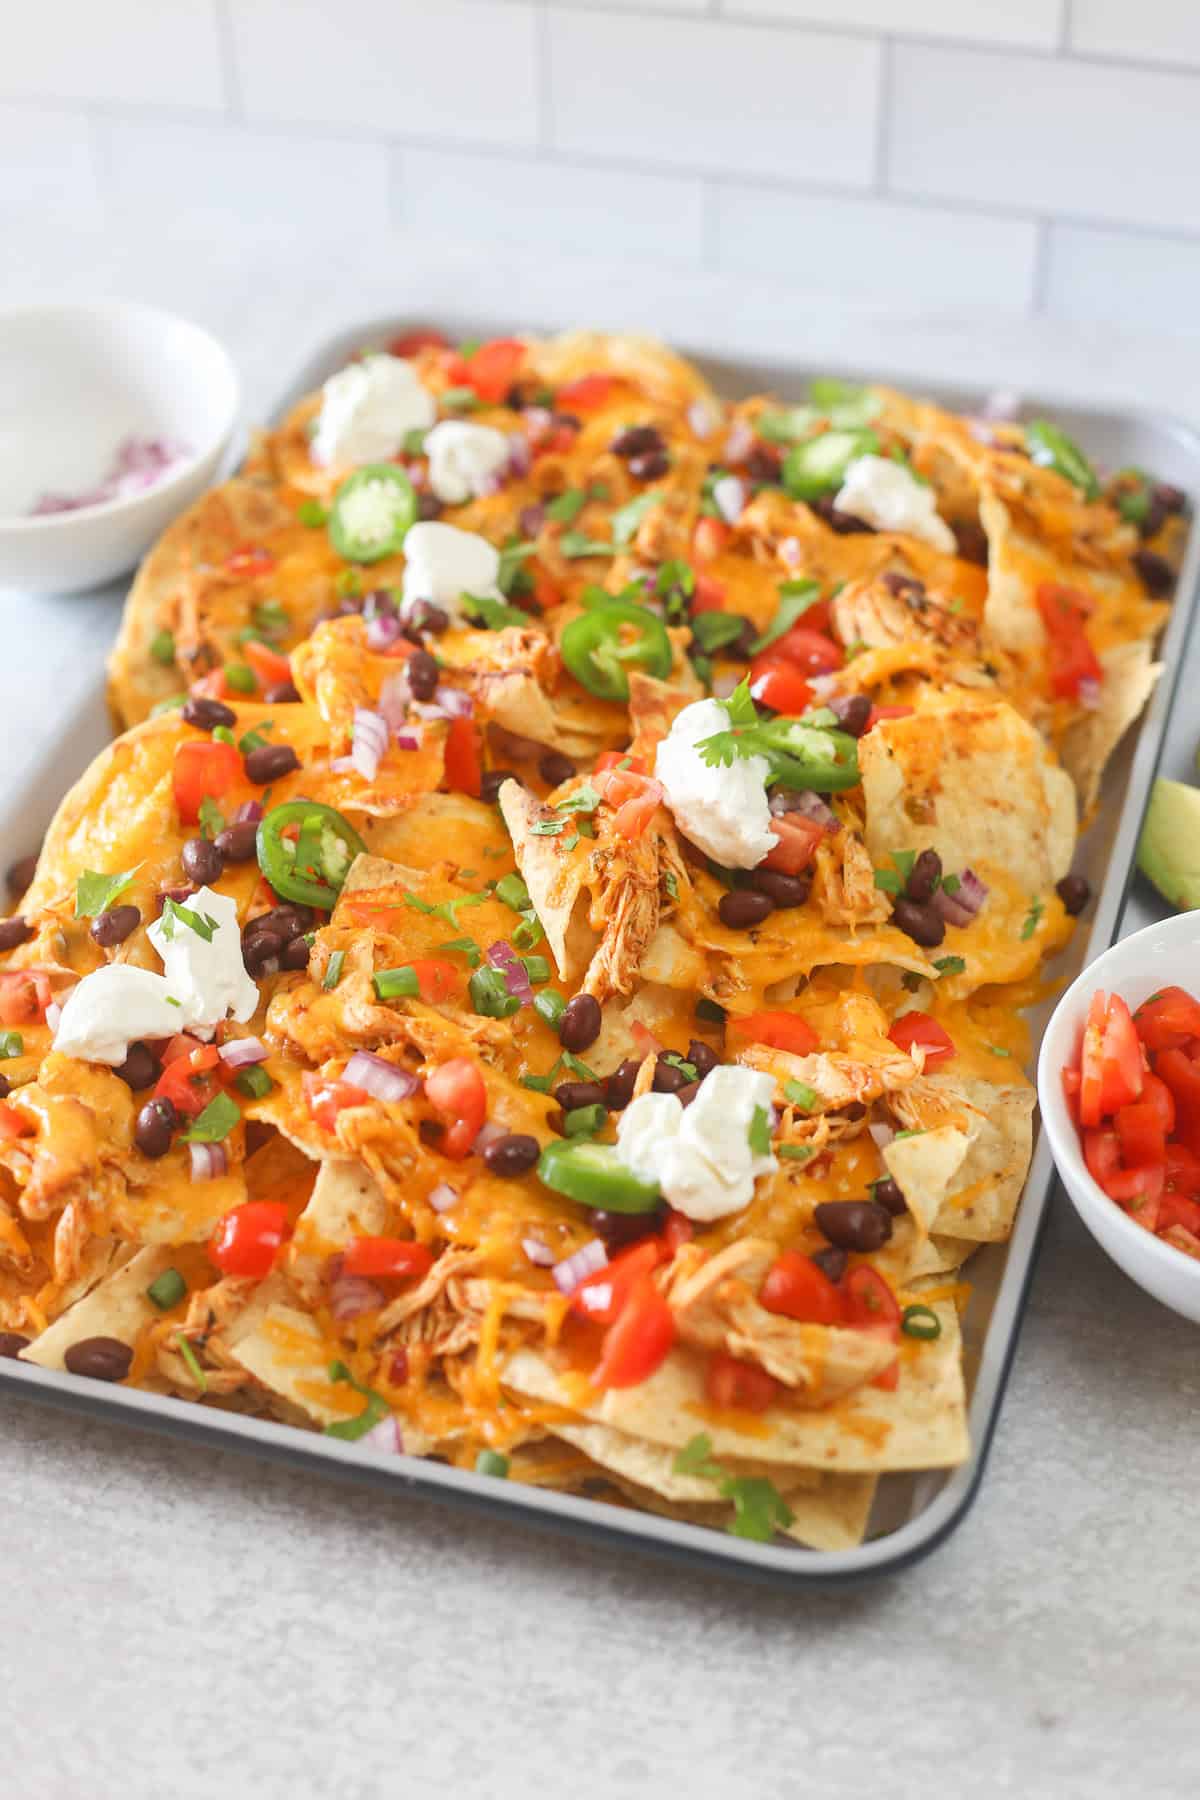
(796, 843)
(735, 1385)
(872, 1307)
(204, 770)
(546, 593)
(464, 769)
(587, 393)
(1168, 1020)
(878, 713)
(13, 1124)
(710, 537)
(212, 686)
(639, 1341)
(24, 996)
(249, 560)
(1157, 1094)
(1102, 1154)
(1182, 1076)
(602, 1297)
(248, 1239)
(808, 650)
(635, 797)
(1071, 657)
(1177, 1209)
(1111, 1061)
(455, 1089)
(191, 1078)
(610, 759)
(918, 1028)
(1139, 1190)
(269, 665)
(421, 338)
(327, 1098)
(437, 979)
(1071, 1082)
(779, 684)
(778, 1029)
(386, 1256)
(644, 1040)
(1141, 1135)
(796, 1287)
(709, 595)
(1183, 1170)
(678, 1230)
(493, 368)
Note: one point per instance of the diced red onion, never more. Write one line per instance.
(575, 1268)
(1088, 693)
(386, 1437)
(456, 703)
(740, 441)
(703, 418)
(138, 464)
(822, 684)
(369, 742)
(379, 604)
(378, 1077)
(243, 1052)
(249, 813)
(520, 456)
(490, 484)
(539, 1254)
(792, 552)
(442, 1197)
(724, 685)
(539, 421)
(382, 631)
(352, 1295)
(487, 1134)
(395, 696)
(729, 497)
(531, 519)
(881, 1132)
(971, 891)
(502, 956)
(809, 806)
(407, 740)
(208, 1161)
(951, 909)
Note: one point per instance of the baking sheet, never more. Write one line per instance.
(913, 1513)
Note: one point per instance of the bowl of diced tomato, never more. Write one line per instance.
(1119, 1087)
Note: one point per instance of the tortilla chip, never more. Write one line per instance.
(924, 1167)
(921, 1424)
(1130, 677)
(836, 1516)
(117, 1307)
(653, 1465)
(986, 1186)
(555, 881)
(969, 778)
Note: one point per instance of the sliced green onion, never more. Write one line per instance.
(397, 984)
(162, 647)
(166, 706)
(490, 996)
(550, 1006)
(920, 1322)
(189, 1356)
(490, 1462)
(333, 969)
(511, 891)
(241, 677)
(223, 735)
(167, 1290)
(800, 1094)
(11, 1044)
(311, 512)
(537, 968)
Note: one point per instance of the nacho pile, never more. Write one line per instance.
(538, 981)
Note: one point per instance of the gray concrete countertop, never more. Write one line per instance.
(188, 1622)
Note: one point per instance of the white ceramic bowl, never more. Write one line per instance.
(1162, 955)
(76, 381)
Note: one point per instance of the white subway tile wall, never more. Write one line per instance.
(1029, 155)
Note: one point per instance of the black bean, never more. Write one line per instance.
(20, 874)
(580, 1023)
(573, 1094)
(141, 1068)
(493, 781)
(422, 672)
(702, 1057)
(261, 956)
(12, 1343)
(1173, 499)
(783, 890)
(5, 1087)
(512, 1155)
(618, 1087)
(1074, 892)
(238, 843)
(428, 505)
(686, 1094)
(379, 602)
(637, 440)
(270, 762)
(854, 1224)
(291, 919)
(668, 1076)
(923, 924)
(14, 931)
(202, 861)
(763, 465)
(431, 1132)
(569, 421)
(112, 927)
(743, 907)
(618, 1229)
(831, 1263)
(923, 877)
(889, 1193)
(555, 768)
(100, 1358)
(1155, 519)
(845, 524)
(425, 616)
(155, 1124)
(295, 956)
(852, 712)
(284, 693)
(207, 714)
(649, 467)
(1155, 571)
(971, 542)
(899, 584)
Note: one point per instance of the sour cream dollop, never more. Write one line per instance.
(465, 460)
(888, 496)
(367, 410)
(701, 1155)
(723, 810)
(442, 563)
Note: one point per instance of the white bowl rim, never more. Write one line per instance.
(1065, 1141)
(185, 468)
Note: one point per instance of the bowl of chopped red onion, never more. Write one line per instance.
(116, 417)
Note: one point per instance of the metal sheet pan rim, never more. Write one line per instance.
(650, 1533)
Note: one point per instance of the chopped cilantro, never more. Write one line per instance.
(904, 860)
(467, 947)
(548, 827)
(1033, 916)
(758, 1506)
(687, 1069)
(795, 598)
(95, 893)
(566, 507)
(512, 558)
(214, 1123)
(576, 544)
(212, 819)
(950, 965)
(203, 924)
(950, 884)
(716, 630)
(626, 519)
(493, 614)
(795, 1152)
(887, 881)
(445, 909)
(583, 800)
